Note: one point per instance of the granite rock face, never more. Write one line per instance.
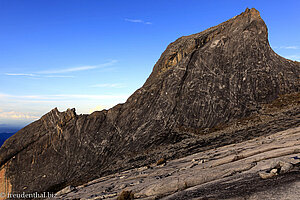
(200, 83)
(261, 168)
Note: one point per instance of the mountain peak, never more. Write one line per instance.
(201, 83)
(245, 27)
(252, 12)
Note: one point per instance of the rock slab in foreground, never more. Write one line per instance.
(228, 172)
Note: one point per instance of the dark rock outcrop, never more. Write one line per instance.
(201, 83)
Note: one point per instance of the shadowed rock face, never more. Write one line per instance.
(201, 81)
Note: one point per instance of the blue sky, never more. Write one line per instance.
(92, 54)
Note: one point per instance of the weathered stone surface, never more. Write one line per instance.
(207, 90)
(220, 177)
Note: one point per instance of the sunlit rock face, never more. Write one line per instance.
(201, 83)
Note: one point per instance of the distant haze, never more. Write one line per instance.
(7, 131)
(6, 128)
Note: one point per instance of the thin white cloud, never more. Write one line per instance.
(291, 47)
(52, 73)
(35, 76)
(76, 69)
(3, 95)
(65, 97)
(137, 21)
(293, 57)
(98, 108)
(134, 20)
(61, 71)
(24, 96)
(19, 74)
(59, 76)
(16, 115)
(109, 85)
(91, 97)
(287, 47)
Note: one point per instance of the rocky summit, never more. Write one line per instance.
(221, 86)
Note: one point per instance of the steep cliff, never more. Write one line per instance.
(201, 83)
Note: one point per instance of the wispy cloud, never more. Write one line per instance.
(61, 71)
(294, 57)
(97, 108)
(109, 85)
(137, 21)
(59, 76)
(134, 20)
(65, 97)
(19, 74)
(83, 96)
(36, 76)
(76, 69)
(54, 73)
(291, 47)
(287, 47)
(16, 115)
